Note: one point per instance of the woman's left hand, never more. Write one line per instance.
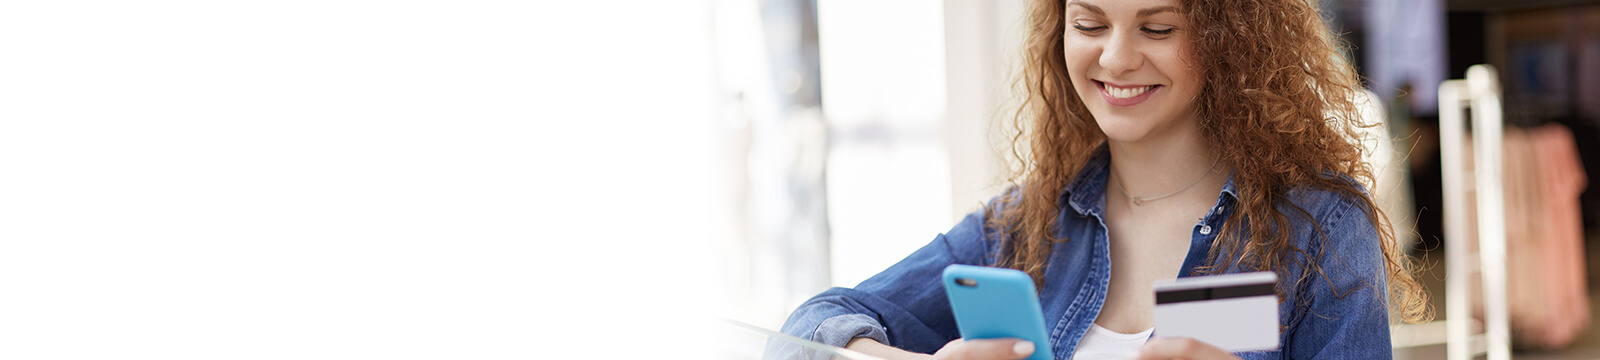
(1180, 348)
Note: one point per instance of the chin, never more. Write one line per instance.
(1122, 129)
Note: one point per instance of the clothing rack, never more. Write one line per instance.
(1479, 93)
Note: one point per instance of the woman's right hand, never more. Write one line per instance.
(985, 349)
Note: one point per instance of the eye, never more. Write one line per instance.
(1088, 27)
(1159, 30)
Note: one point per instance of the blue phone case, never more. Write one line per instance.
(996, 303)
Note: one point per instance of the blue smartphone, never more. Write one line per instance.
(996, 303)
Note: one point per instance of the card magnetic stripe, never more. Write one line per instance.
(1216, 293)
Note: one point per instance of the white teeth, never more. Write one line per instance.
(1124, 93)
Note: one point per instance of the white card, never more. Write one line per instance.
(1235, 312)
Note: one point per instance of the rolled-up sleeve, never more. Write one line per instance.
(903, 306)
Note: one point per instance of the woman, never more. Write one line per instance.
(1141, 117)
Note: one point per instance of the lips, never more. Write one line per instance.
(1125, 95)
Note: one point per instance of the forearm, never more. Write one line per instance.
(873, 347)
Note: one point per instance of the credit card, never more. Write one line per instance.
(1235, 312)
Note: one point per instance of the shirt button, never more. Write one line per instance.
(1205, 229)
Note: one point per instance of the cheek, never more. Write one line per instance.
(1078, 59)
(1186, 62)
(1180, 66)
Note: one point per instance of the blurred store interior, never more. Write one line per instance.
(853, 132)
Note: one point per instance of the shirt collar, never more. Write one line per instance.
(1087, 193)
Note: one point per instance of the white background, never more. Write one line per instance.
(353, 179)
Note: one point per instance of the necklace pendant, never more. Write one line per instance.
(1137, 201)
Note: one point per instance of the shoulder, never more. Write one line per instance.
(976, 238)
(1333, 221)
(1326, 204)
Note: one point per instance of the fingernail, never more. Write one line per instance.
(1023, 347)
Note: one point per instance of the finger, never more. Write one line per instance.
(987, 349)
(1180, 348)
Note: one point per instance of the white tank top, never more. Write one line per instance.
(1102, 343)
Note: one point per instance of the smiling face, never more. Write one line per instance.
(1130, 63)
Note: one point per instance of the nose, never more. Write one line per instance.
(1121, 54)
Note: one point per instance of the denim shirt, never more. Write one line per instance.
(1337, 313)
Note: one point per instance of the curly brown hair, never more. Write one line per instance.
(1278, 102)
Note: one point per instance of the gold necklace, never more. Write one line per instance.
(1137, 200)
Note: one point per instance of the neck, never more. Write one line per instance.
(1153, 168)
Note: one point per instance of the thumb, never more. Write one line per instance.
(997, 348)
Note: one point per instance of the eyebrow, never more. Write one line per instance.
(1141, 13)
(1092, 8)
(1157, 10)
